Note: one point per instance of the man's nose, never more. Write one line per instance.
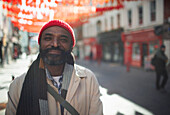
(55, 42)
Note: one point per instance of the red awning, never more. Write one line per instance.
(89, 40)
(140, 36)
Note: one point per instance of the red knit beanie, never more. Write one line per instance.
(58, 23)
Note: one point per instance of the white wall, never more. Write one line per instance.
(89, 29)
(167, 51)
(146, 14)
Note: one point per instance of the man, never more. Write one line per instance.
(160, 68)
(1, 56)
(29, 94)
(1, 45)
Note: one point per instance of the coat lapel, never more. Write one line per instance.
(74, 83)
(73, 87)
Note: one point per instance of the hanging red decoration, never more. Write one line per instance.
(32, 15)
(15, 9)
(4, 6)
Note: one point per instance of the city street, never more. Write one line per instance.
(120, 41)
(129, 93)
(122, 93)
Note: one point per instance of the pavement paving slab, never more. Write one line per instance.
(15, 68)
(122, 92)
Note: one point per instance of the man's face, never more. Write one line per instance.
(163, 49)
(55, 45)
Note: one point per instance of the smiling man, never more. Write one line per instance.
(54, 84)
(56, 44)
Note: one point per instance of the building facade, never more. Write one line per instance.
(166, 25)
(112, 45)
(139, 38)
(104, 32)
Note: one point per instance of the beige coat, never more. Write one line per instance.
(83, 94)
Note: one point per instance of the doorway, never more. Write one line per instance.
(144, 52)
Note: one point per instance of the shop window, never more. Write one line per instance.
(116, 52)
(135, 51)
(112, 22)
(130, 17)
(118, 20)
(98, 27)
(105, 24)
(166, 9)
(87, 50)
(153, 47)
(140, 12)
(153, 10)
(106, 52)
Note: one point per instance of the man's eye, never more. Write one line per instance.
(47, 38)
(63, 40)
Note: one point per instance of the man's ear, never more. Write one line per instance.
(71, 48)
(71, 59)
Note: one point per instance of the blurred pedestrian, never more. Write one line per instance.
(54, 84)
(160, 68)
(6, 53)
(91, 56)
(1, 45)
(1, 55)
(15, 53)
(99, 54)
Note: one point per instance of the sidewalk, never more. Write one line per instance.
(121, 91)
(15, 68)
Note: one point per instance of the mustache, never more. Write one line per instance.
(52, 48)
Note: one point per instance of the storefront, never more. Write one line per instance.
(139, 46)
(92, 50)
(112, 46)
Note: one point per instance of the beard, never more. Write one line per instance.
(54, 59)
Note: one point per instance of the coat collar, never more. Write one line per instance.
(80, 71)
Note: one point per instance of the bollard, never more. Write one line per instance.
(128, 67)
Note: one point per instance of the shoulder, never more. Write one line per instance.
(19, 80)
(16, 86)
(83, 71)
(14, 94)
